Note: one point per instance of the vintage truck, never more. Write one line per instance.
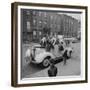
(39, 55)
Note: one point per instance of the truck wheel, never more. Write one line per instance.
(46, 62)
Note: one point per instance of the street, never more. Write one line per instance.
(72, 66)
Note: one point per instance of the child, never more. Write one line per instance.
(52, 72)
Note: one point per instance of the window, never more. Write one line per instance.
(28, 12)
(28, 25)
(51, 17)
(40, 23)
(58, 26)
(34, 33)
(34, 12)
(45, 14)
(40, 33)
(34, 22)
(50, 25)
(40, 13)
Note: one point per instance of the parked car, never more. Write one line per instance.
(39, 55)
(71, 39)
(74, 40)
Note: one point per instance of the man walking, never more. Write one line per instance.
(65, 57)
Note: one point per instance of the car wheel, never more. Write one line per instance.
(45, 62)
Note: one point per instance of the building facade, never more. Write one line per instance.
(36, 24)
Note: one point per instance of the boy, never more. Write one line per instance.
(52, 72)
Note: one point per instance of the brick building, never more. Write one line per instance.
(36, 24)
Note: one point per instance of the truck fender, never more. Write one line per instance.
(39, 58)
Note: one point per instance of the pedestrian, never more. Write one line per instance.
(65, 57)
(52, 72)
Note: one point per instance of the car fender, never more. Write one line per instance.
(40, 57)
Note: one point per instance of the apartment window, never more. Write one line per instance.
(34, 12)
(28, 25)
(34, 22)
(51, 17)
(58, 26)
(40, 23)
(40, 13)
(45, 14)
(28, 12)
(72, 22)
(34, 33)
(40, 33)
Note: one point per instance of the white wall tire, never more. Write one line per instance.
(46, 62)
